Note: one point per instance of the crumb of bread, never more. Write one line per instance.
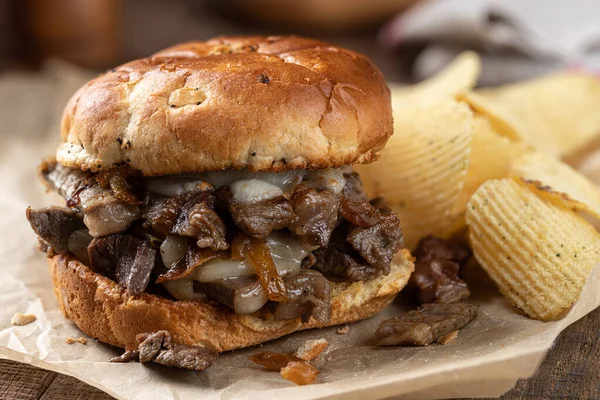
(448, 338)
(22, 319)
(343, 330)
(311, 349)
(71, 340)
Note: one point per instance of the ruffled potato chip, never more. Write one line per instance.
(557, 114)
(558, 182)
(538, 253)
(460, 75)
(491, 158)
(422, 168)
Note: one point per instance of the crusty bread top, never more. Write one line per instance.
(263, 103)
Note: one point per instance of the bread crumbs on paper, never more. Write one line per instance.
(71, 340)
(20, 319)
(343, 330)
(311, 349)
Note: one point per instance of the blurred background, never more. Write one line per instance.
(408, 39)
(48, 48)
(98, 34)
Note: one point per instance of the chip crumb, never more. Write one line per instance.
(311, 349)
(343, 330)
(20, 319)
(448, 338)
(71, 340)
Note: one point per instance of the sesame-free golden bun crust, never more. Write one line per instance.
(102, 309)
(262, 103)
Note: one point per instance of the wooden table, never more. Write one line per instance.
(571, 370)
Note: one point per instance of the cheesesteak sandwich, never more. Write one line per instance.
(210, 196)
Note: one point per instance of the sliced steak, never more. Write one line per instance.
(198, 220)
(316, 216)
(66, 181)
(258, 219)
(160, 213)
(244, 295)
(426, 324)
(341, 260)
(124, 258)
(103, 212)
(437, 267)
(373, 232)
(379, 243)
(334, 261)
(309, 294)
(158, 348)
(54, 226)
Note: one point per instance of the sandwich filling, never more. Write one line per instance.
(256, 242)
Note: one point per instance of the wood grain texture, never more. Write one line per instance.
(571, 370)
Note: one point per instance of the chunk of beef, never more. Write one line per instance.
(341, 260)
(426, 324)
(316, 216)
(124, 258)
(158, 348)
(436, 271)
(309, 294)
(257, 219)
(244, 295)
(103, 212)
(160, 213)
(353, 188)
(379, 243)
(54, 226)
(66, 181)
(374, 233)
(199, 220)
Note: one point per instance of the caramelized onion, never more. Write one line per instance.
(183, 289)
(260, 257)
(239, 246)
(273, 361)
(300, 372)
(188, 264)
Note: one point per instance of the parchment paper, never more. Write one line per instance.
(485, 360)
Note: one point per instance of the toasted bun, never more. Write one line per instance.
(263, 103)
(103, 310)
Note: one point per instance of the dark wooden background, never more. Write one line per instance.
(571, 370)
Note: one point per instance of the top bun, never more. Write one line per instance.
(262, 103)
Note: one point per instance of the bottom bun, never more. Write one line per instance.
(103, 310)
